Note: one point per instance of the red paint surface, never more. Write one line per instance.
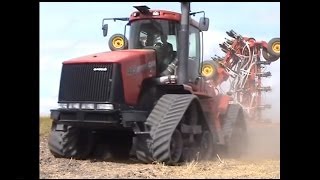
(128, 59)
(166, 15)
(110, 56)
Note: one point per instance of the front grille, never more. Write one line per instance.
(79, 82)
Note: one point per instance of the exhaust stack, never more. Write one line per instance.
(183, 44)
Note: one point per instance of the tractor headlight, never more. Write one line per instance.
(74, 105)
(87, 106)
(105, 106)
(63, 105)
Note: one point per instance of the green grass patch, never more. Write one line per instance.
(45, 125)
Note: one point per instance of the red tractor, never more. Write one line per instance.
(148, 95)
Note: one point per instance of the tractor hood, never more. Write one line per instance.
(113, 56)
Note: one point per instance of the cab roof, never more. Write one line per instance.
(160, 14)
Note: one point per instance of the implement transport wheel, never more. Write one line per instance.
(274, 47)
(269, 57)
(209, 69)
(118, 42)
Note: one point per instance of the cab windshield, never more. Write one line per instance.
(156, 33)
(148, 33)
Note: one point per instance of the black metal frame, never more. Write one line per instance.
(113, 118)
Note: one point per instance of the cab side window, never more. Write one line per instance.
(194, 53)
(194, 44)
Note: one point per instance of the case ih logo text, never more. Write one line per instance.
(99, 69)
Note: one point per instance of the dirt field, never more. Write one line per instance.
(262, 161)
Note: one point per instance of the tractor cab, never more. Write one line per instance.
(160, 35)
(159, 30)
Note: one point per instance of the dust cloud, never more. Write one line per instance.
(263, 141)
(264, 138)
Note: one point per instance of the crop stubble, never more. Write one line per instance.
(261, 161)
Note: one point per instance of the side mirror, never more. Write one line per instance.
(204, 24)
(105, 30)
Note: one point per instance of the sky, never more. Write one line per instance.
(69, 30)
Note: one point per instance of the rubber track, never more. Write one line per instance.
(66, 144)
(230, 119)
(159, 111)
(62, 143)
(144, 149)
(235, 150)
(164, 119)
